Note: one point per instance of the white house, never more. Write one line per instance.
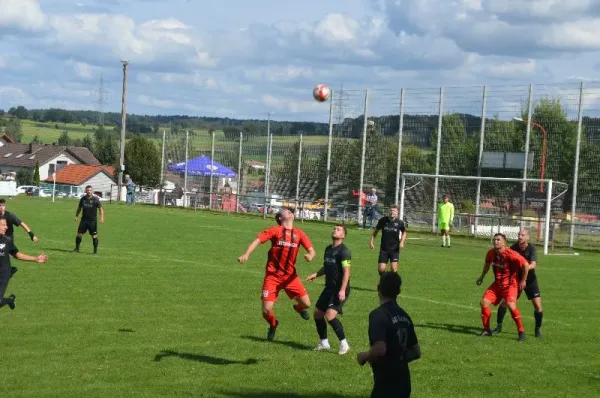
(74, 178)
(15, 157)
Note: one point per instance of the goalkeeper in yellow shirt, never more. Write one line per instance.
(445, 219)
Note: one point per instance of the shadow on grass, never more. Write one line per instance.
(291, 344)
(276, 394)
(202, 358)
(363, 289)
(52, 249)
(472, 330)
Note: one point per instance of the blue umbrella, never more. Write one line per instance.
(201, 166)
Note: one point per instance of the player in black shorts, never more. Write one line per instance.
(393, 342)
(532, 289)
(336, 268)
(7, 249)
(90, 205)
(393, 234)
(13, 221)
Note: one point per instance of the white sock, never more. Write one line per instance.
(444, 240)
(448, 239)
(325, 342)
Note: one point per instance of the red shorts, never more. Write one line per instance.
(272, 284)
(495, 294)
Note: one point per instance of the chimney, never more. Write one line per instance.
(30, 148)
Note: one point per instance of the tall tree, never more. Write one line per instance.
(142, 161)
(36, 174)
(64, 139)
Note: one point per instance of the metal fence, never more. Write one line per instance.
(535, 131)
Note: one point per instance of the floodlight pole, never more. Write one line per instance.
(123, 129)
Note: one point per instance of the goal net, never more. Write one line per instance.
(485, 205)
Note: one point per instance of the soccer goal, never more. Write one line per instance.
(485, 205)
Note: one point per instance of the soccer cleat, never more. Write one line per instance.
(304, 313)
(13, 270)
(521, 336)
(323, 347)
(271, 332)
(11, 301)
(344, 348)
(538, 333)
(498, 329)
(485, 333)
(76, 251)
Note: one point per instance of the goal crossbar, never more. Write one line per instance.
(548, 199)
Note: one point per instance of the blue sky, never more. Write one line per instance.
(236, 58)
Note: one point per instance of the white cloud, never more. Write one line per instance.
(21, 15)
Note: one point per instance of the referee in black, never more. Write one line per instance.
(393, 235)
(13, 221)
(89, 206)
(532, 289)
(7, 249)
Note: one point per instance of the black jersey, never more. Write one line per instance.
(90, 207)
(530, 255)
(335, 259)
(391, 232)
(12, 221)
(7, 249)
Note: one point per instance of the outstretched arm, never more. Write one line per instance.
(486, 268)
(42, 258)
(244, 257)
(101, 214)
(29, 231)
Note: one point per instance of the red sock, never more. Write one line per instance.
(516, 316)
(486, 314)
(300, 307)
(270, 318)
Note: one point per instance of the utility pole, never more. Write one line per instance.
(123, 128)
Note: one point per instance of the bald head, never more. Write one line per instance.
(523, 237)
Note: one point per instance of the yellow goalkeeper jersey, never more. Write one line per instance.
(445, 212)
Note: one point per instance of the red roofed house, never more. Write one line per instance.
(73, 178)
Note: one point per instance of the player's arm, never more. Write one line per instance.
(317, 274)
(524, 265)
(402, 235)
(26, 257)
(451, 213)
(413, 349)
(532, 258)
(308, 246)
(346, 265)
(378, 228)
(29, 231)
(486, 268)
(260, 239)
(377, 334)
(79, 208)
(101, 209)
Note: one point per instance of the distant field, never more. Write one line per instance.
(49, 133)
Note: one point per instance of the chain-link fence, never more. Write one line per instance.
(374, 136)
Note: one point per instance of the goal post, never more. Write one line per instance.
(485, 205)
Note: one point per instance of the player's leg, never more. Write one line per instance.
(296, 291)
(270, 291)
(4, 278)
(81, 229)
(510, 297)
(533, 294)
(502, 309)
(442, 227)
(491, 296)
(394, 261)
(331, 315)
(382, 261)
(320, 322)
(94, 233)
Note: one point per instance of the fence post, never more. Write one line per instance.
(527, 138)
(362, 158)
(400, 136)
(298, 171)
(547, 221)
(576, 168)
(480, 159)
(437, 157)
(329, 145)
(162, 162)
(212, 166)
(185, 175)
(268, 165)
(239, 187)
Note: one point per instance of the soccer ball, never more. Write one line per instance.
(321, 92)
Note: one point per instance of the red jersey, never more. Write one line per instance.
(507, 266)
(285, 244)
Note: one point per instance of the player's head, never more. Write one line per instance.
(285, 214)
(389, 285)
(339, 232)
(3, 226)
(89, 191)
(2, 205)
(523, 236)
(445, 198)
(499, 241)
(393, 211)
(127, 176)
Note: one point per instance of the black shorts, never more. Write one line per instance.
(85, 226)
(532, 290)
(329, 299)
(4, 278)
(391, 256)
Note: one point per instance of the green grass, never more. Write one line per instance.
(49, 134)
(165, 310)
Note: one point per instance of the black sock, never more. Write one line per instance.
(95, 240)
(321, 328)
(538, 319)
(77, 242)
(337, 327)
(501, 313)
(3, 302)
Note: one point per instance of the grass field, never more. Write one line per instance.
(164, 309)
(49, 134)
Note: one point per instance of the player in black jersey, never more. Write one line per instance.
(336, 268)
(13, 221)
(393, 235)
(7, 249)
(90, 205)
(393, 342)
(532, 289)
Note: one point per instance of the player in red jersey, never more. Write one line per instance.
(507, 265)
(281, 266)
